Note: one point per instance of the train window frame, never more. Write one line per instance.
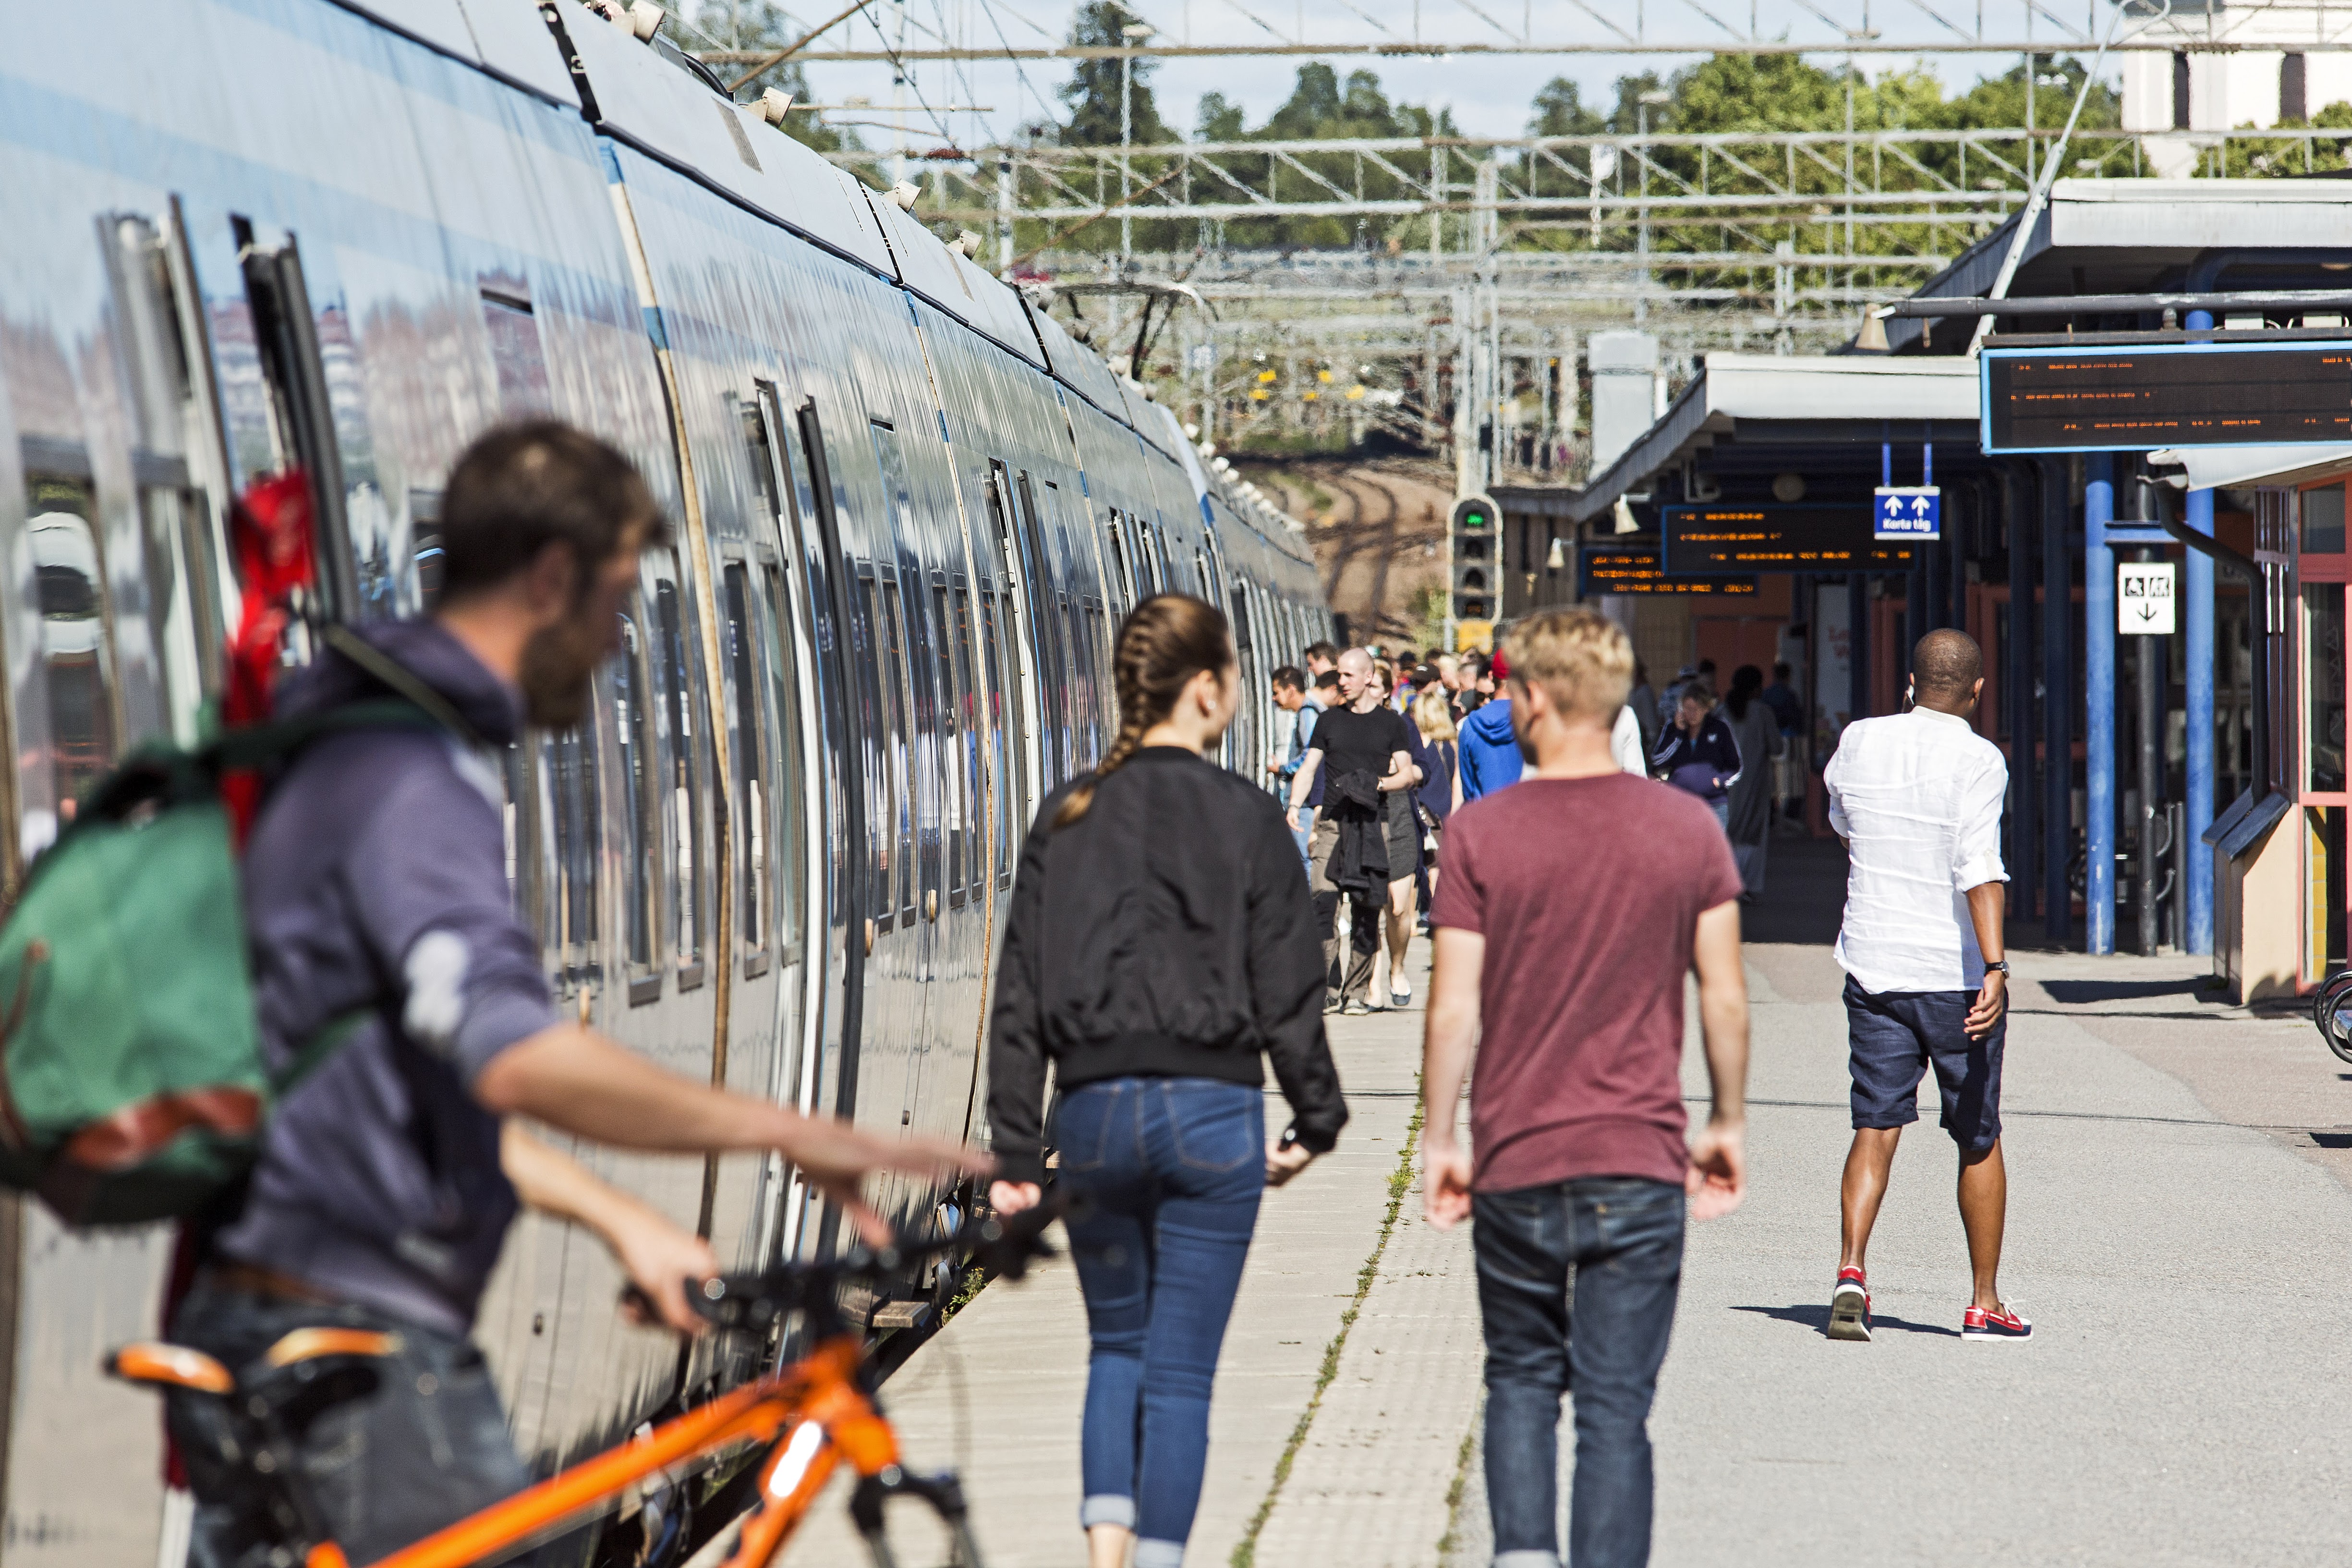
(576, 800)
(788, 837)
(640, 759)
(688, 929)
(978, 852)
(881, 846)
(750, 796)
(1045, 632)
(1119, 561)
(904, 730)
(518, 356)
(956, 807)
(997, 648)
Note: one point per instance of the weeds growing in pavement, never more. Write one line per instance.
(1400, 1183)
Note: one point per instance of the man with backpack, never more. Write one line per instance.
(375, 881)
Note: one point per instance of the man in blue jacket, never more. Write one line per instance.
(1490, 750)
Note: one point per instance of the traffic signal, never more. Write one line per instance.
(1477, 585)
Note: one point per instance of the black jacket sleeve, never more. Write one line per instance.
(1016, 1025)
(1286, 975)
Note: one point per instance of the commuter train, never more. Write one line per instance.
(246, 235)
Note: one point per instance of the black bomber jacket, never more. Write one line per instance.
(1167, 932)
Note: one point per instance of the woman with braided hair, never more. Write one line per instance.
(1161, 945)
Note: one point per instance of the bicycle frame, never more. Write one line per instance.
(816, 1399)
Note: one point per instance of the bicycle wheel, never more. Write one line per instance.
(2331, 1012)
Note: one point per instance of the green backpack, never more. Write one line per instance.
(132, 1081)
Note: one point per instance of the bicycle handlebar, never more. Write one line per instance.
(1002, 1244)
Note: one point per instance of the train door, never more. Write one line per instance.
(1045, 629)
(834, 728)
(775, 791)
(1122, 588)
(1015, 640)
(903, 645)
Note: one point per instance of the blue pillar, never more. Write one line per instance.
(2058, 688)
(2197, 648)
(2099, 695)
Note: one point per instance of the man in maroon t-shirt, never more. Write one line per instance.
(1571, 908)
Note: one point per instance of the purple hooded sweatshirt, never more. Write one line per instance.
(376, 877)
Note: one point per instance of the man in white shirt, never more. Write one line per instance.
(1917, 799)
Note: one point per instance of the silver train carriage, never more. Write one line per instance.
(241, 234)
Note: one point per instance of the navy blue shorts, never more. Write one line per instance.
(1898, 1035)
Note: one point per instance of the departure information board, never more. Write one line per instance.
(1634, 568)
(2137, 399)
(1728, 538)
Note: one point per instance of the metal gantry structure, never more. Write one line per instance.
(1453, 278)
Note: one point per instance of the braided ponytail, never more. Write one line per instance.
(1165, 642)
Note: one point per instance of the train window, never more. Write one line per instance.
(952, 724)
(681, 779)
(569, 761)
(996, 647)
(968, 761)
(75, 662)
(901, 698)
(182, 597)
(633, 714)
(784, 833)
(1124, 573)
(1044, 628)
(514, 352)
(755, 894)
(881, 778)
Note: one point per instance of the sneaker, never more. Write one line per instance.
(2001, 1323)
(1356, 1008)
(1849, 1307)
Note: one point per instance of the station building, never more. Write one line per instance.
(2224, 833)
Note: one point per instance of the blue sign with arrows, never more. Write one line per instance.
(1907, 511)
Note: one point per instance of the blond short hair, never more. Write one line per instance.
(1433, 715)
(1583, 661)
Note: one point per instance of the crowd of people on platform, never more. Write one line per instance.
(1430, 733)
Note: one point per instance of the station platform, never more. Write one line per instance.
(2179, 1229)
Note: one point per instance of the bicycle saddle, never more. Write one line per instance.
(290, 1367)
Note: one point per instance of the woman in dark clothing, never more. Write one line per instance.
(1161, 943)
(1698, 752)
(1755, 729)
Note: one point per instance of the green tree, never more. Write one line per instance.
(1092, 90)
(1220, 119)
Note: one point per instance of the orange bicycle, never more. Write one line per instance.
(812, 1416)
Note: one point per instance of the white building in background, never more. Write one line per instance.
(2235, 66)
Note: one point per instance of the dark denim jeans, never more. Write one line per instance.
(427, 1448)
(1617, 1243)
(1170, 1170)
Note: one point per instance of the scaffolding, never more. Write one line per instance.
(1454, 280)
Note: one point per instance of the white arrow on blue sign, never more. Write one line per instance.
(1907, 511)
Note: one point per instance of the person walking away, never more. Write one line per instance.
(1918, 798)
(1787, 711)
(375, 881)
(1404, 838)
(1158, 949)
(1440, 790)
(1625, 742)
(1644, 704)
(1698, 753)
(1290, 695)
(1490, 746)
(1362, 752)
(1756, 733)
(1561, 956)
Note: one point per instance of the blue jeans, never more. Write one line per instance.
(1171, 1171)
(425, 1449)
(1620, 1240)
(1305, 834)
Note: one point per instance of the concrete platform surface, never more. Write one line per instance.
(2180, 1229)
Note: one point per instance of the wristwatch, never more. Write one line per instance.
(1999, 964)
